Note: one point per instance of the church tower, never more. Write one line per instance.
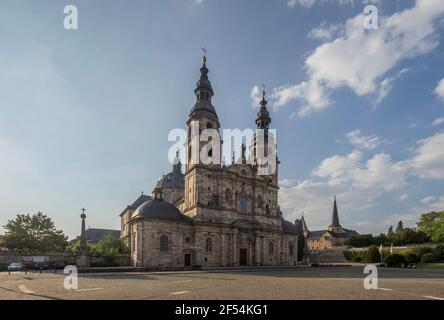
(263, 139)
(203, 127)
(202, 116)
(335, 226)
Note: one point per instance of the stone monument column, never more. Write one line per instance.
(83, 258)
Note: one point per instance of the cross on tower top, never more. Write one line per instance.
(204, 55)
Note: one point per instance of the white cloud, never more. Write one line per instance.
(304, 3)
(337, 166)
(428, 161)
(309, 3)
(363, 142)
(437, 205)
(357, 184)
(438, 121)
(363, 60)
(428, 200)
(255, 96)
(324, 31)
(360, 183)
(386, 86)
(439, 90)
(381, 173)
(312, 94)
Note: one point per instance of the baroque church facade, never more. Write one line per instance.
(211, 214)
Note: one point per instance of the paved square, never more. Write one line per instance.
(292, 284)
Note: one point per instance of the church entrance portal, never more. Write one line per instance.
(243, 261)
(187, 260)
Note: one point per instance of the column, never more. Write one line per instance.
(235, 249)
(257, 248)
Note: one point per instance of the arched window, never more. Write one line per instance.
(243, 204)
(270, 248)
(209, 125)
(267, 209)
(291, 249)
(164, 243)
(209, 245)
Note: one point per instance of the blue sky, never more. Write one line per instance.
(85, 114)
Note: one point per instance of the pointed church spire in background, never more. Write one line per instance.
(304, 224)
(335, 215)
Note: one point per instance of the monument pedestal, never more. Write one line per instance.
(83, 261)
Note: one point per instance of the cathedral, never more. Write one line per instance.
(209, 214)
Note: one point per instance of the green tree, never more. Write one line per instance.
(34, 234)
(359, 240)
(381, 239)
(400, 227)
(373, 254)
(111, 245)
(409, 235)
(74, 248)
(432, 224)
(391, 235)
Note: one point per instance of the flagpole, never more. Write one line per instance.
(380, 252)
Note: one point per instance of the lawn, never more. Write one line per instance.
(439, 265)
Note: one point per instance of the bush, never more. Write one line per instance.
(412, 258)
(394, 260)
(420, 251)
(373, 254)
(439, 252)
(429, 258)
(359, 240)
(357, 258)
(348, 255)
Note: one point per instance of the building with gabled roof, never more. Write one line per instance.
(334, 236)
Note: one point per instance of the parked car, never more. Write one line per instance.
(17, 266)
(59, 265)
(41, 266)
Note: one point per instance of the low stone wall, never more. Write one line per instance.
(333, 255)
(8, 257)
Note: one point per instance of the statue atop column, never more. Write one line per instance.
(83, 256)
(83, 248)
